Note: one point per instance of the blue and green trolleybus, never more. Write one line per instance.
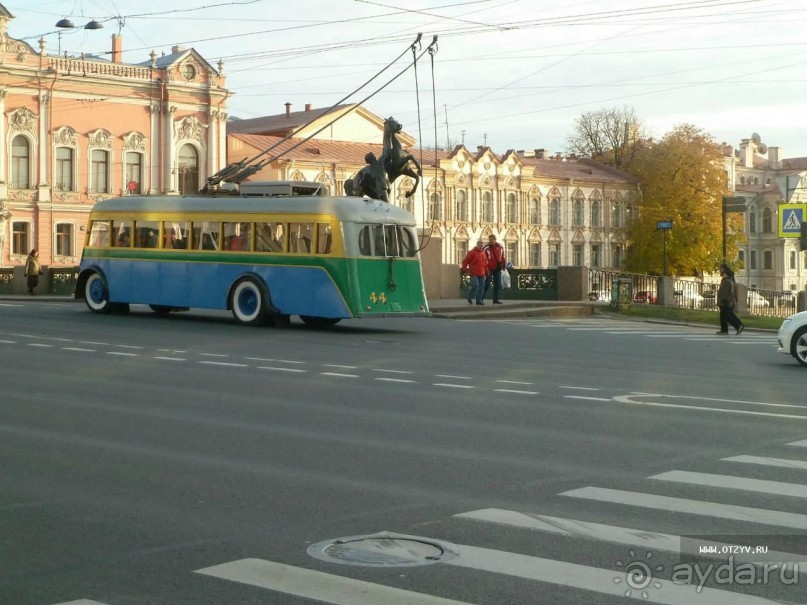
(262, 256)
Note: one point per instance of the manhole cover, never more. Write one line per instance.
(382, 550)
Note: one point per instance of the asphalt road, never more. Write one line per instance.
(190, 460)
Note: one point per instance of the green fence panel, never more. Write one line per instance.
(7, 280)
(526, 284)
(62, 281)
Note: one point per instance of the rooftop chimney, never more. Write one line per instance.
(539, 153)
(308, 106)
(176, 49)
(288, 109)
(773, 158)
(117, 48)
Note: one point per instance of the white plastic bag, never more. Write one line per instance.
(505, 280)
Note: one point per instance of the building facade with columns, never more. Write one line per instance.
(766, 180)
(546, 210)
(78, 129)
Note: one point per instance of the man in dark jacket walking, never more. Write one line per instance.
(726, 300)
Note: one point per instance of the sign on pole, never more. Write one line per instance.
(664, 225)
(791, 216)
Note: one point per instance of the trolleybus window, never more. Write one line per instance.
(176, 235)
(323, 238)
(300, 236)
(270, 237)
(205, 235)
(122, 231)
(236, 236)
(387, 240)
(146, 234)
(99, 234)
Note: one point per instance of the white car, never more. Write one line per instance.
(793, 337)
(755, 300)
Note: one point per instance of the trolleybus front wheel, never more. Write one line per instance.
(249, 302)
(96, 294)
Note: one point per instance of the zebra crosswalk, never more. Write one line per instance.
(708, 496)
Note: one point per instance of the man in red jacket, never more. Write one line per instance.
(496, 261)
(476, 263)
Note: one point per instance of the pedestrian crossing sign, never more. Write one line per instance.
(791, 216)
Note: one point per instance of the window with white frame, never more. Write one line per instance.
(752, 221)
(407, 203)
(535, 255)
(21, 237)
(511, 213)
(767, 221)
(554, 255)
(616, 214)
(511, 252)
(596, 213)
(554, 212)
(767, 259)
(753, 259)
(64, 240)
(792, 260)
(487, 207)
(462, 205)
(577, 254)
(435, 204)
(99, 171)
(596, 258)
(461, 246)
(535, 211)
(617, 257)
(577, 213)
(134, 172)
(20, 162)
(63, 170)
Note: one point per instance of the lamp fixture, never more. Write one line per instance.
(94, 25)
(65, 23)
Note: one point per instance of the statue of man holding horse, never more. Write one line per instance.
(375, 180)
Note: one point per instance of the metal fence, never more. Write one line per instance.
(689, 293)
(526, 284)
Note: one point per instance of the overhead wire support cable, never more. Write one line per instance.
(250, 170)
(238, 167)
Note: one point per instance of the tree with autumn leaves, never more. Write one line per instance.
(683, 180)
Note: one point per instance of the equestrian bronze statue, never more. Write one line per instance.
(375, 179)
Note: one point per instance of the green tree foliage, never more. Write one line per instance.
(609, 136)
(683, 180)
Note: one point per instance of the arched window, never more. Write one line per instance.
(462, 206)
(511, 214)
(752, 220)
(99, 171)
(20, 163)
(616, 216)
(435, 203)
(535, 211)
(134, 172)
(188, 170)
(577, 214)
(554, 212)
(487, 207)
(596, 213)
(767, 221)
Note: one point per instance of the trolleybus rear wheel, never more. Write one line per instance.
(96, 294)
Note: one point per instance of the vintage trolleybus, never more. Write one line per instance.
(262, 254)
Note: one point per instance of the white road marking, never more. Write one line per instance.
(626, 399)
(799, 443)
(336, 365)
(39, 344)
(517, 392)
(453, 386)
(274, 360)
(339, 375)
(394, 380)
(90, 342)
(282, 369)
(212, 355)
(42, 337)
(9, 342)
(78, 349)
(593, 579)
(578, 388)
(629, 536)
(763, 460)
(224, 363)
(514, 382)
(170, 358)
(739, 483)
(128, 347)
(82, 602)
(451, 376)
(122, 353)
(318, 586)
(693, 507)
(586, 398)
(392, 371)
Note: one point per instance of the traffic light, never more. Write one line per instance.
(803, 235)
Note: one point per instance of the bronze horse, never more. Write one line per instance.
(396, 160)
(374, 180)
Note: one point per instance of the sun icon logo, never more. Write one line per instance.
(638, 575)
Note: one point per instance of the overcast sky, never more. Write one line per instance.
(512, 74)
